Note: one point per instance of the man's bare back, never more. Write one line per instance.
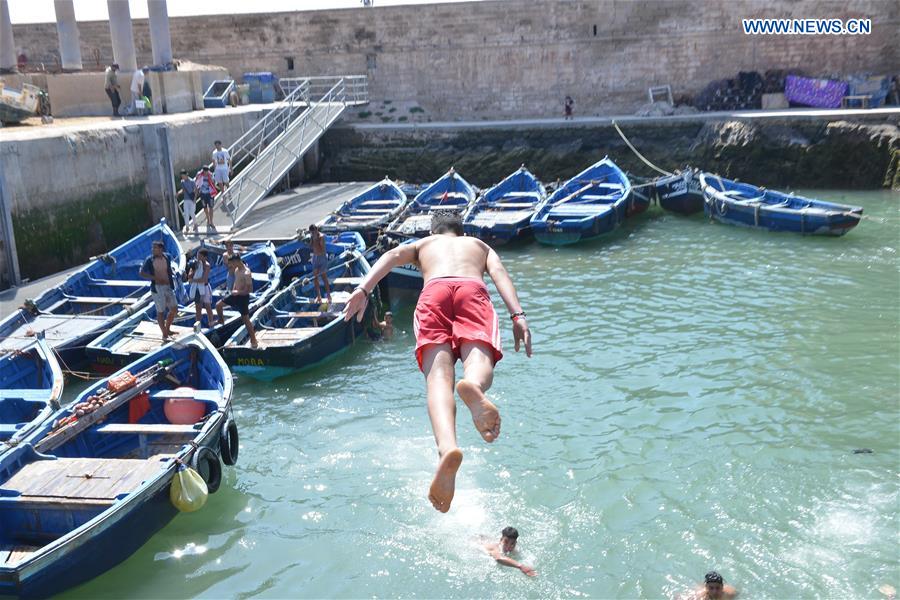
(451, 256)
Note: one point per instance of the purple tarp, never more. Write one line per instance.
(820, 93)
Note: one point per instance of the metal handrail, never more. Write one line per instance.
(279, 157)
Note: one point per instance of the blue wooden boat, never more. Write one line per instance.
(450, 192)
(736, 203)
(295, 332)
(31, 385)
(503, 213)
(79, 496)
(403, 278)
(367, 213)
(294, 257)
(140, 334)
(91, 300)
(591, 204)
(680, 193)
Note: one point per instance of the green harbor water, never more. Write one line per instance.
(693, 403)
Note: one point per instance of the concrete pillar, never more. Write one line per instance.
(121, 34)
(67, 29)
(8, 59)
(160, 39)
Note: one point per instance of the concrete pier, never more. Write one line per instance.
(160, 39)
(8, 60)
(122, 35)
(67, 28)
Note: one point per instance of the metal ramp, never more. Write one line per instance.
(277, 142)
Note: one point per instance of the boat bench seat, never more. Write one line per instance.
(121, 282)
(260, 276)
(204, 395)
(576, 210)
(371, 211)
(520, 195)
(515, 205)
(380, 203)
(148, 429)
(32, 395)
(347, 281)
(597, 197)
(309, 315)
(101, 300)
(7, 430)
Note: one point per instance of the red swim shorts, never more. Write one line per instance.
(452, 310)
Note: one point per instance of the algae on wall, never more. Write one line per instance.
(49, 240)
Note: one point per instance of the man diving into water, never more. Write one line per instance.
(454, 319)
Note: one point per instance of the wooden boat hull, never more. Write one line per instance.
(31, 387)
(274, 363)
(294, 257)
(367, 213)
(91, 300)
(680, 193)
(588, 206)
(450, 192)
(502, 214)
(295, 333)
(745, 205)
(66, 534)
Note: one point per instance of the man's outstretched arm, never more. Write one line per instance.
(507, 291)
(400, 255)
(508, 562)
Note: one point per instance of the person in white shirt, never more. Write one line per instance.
(221, 166)
(137, 85)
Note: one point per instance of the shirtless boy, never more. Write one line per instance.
(238, 298)
(454, 319)
(319, 261)
(158, 270)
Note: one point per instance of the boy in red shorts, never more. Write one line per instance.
(454, 319)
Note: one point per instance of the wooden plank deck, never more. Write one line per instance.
(70, 480)
(146, 337)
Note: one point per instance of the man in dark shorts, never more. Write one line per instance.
(239, 297)
(454, 320)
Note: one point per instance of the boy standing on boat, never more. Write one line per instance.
(454, 319)
(201, 292)
(238, 298)
(158, 269)
(319, 261)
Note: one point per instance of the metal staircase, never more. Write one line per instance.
(269, 149)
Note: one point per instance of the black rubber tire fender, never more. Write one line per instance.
(229, 442)
(206, 462)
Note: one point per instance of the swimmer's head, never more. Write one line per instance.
(389, 317)
(446, 221)
(714, 585)
(509, 537)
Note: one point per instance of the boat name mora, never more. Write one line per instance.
(251, 362)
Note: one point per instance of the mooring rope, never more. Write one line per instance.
(638, 154)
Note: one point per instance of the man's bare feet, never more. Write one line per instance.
(484, 412)
(443, 486)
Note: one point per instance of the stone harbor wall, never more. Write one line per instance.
(74, 194)
(786, 153)
(513, 57)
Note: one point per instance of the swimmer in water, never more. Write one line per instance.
(386, 327)
(714, 588)
(501, 551)
(454, 320)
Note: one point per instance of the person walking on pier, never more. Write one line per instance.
(569, 106)
(188, 194)
(112, 87)
(454, 320)
(221, 167)
(137, 87)
(206, 189)
(319, 262)
(158, 270)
